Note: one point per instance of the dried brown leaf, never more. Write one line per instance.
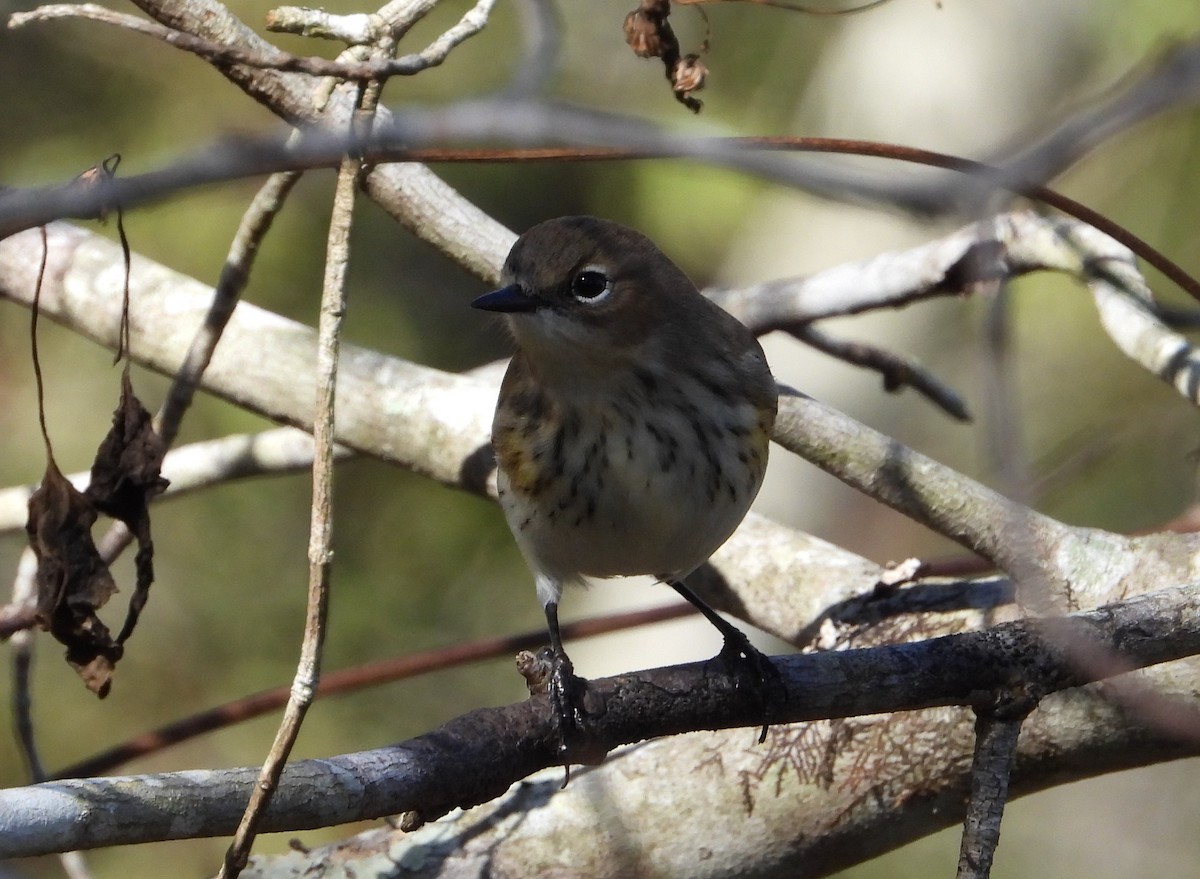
(126, 475)
(73, 581)
(649, 34)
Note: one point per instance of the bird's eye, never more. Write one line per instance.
(590, 285)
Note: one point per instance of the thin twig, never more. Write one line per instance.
(35, 310)
(406, 65)
(24, 595)
(108, 170)
(320, 547)
(24, 591)
(541, 31)
(235, 273)
(897, 372)
(995, 750)
(354, 29)
(74, 865)
(436, 52)
(1007, 456)
(320, 553)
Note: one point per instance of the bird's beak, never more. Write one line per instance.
(510, 299)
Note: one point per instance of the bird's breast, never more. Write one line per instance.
(649, 478)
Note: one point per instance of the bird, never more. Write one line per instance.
(632, 425)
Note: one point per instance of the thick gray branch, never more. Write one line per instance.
(478, 756)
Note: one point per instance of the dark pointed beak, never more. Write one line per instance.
(510, 299)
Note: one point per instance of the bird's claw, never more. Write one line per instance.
(566, 690)
(740, 655)
(566, 696)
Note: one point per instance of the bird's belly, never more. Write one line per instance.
(635, 501)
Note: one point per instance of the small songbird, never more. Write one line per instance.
(632, 426)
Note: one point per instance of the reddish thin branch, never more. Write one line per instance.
(21, 209)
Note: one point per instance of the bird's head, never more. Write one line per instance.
(582, 291)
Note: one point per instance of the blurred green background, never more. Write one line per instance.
(421, 566)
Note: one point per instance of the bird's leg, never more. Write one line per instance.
(565, 688)
(737, 647)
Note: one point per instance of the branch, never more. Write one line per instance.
(1170, 83)
(223, 55)
(1007, 246)
(897, 372)
(360, 677)
(478, 756)
(807, 804)
(1081, 566)
(996, 741)
(320, 539)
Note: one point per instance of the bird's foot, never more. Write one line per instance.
(744, 659)
(567, 692)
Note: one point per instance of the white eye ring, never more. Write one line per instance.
(590, 285)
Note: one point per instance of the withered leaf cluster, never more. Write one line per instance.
(73, 580)
(126, 475)
(650, 35)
